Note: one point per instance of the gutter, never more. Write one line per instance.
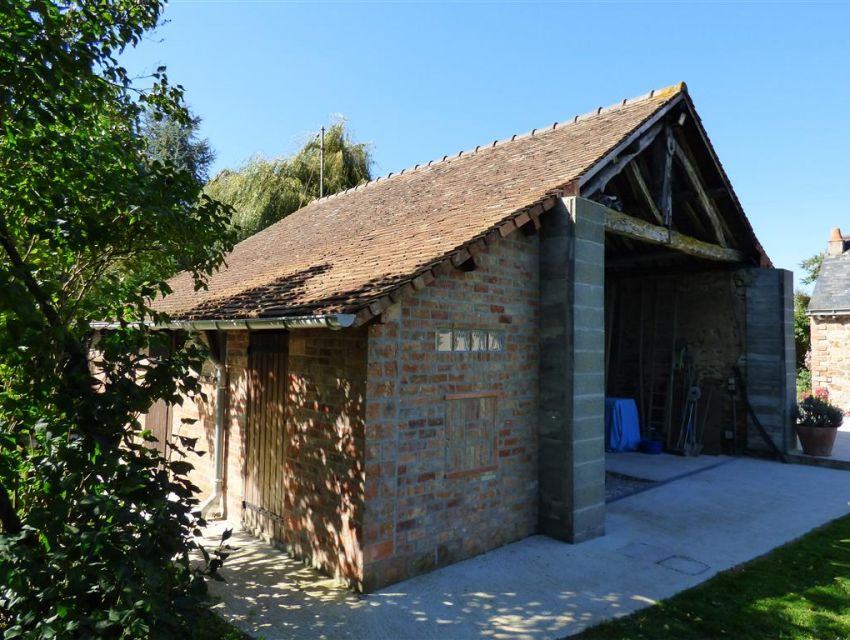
(333, 321)
(828, 312)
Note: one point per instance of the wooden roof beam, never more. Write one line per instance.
(696, 181)
(663, 167)
(630, 227)
(635, 176)
(614, 164)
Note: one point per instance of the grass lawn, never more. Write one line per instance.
(800, 591)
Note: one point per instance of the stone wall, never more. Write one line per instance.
(420, 514)
(771, 362)
(830, 363)
(572, 371)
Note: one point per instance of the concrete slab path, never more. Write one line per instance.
(658, 542)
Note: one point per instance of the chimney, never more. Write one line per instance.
(835, 246)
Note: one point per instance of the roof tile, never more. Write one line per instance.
(343, 252)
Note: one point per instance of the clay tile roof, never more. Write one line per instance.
(343, 252)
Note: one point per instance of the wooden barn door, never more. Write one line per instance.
(262, 510)
(159, 417)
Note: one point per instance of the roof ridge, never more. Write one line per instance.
(663, 93)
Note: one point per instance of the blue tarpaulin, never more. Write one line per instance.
(622, 425)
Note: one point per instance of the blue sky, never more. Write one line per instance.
(421, 80)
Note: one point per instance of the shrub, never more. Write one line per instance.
(817, 411)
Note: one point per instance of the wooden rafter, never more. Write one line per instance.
(616, 163)
(696, 181)
(597, 176)
(636, 229)
(635, 177)
(665, 177)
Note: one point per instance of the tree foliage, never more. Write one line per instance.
(265, 191)
(802, 341)
(93, 543)
(176, 142)
(811, 266)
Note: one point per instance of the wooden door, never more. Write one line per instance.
(159, 417)
(263, 500)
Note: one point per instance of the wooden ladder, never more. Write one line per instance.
(662, 357)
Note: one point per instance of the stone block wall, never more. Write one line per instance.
(771, 358)
(830, 363)
(419, 513)
(572, 378)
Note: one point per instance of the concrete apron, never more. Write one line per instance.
(658, 543)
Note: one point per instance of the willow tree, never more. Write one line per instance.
(265, 191)
(92, 543)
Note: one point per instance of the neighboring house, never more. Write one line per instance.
(829, 314)
(414, 370)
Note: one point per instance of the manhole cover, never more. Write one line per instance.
(643, 551)
(685, 565)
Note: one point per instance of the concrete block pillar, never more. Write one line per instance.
(572, 371)
(771, 364)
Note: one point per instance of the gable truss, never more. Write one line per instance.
(649, 163)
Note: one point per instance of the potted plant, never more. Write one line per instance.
(817, 423)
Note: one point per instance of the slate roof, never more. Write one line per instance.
(346, 252)
(832, 289)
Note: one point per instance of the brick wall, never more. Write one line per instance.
(324, 449)
(831, 357)
(234, 435)
(195, 418)
(323, 479)
(418, 515)
(203, 428)
(324, 444)
(202, 412)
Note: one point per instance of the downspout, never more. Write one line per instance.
(218, 354)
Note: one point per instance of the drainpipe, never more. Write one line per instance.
(218, 351)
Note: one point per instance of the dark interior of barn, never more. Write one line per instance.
(677, 253)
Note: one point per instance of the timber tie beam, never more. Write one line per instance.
(627, 226)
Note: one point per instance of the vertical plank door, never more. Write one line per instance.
(159, 417)
(263, 502)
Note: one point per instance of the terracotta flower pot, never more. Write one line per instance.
(817, 441)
